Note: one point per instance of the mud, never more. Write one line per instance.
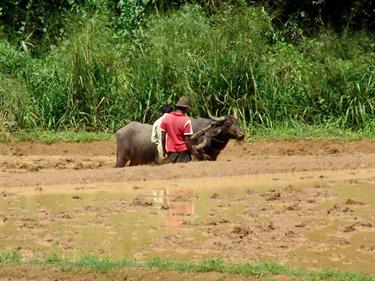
(303, 203)
(40, 273)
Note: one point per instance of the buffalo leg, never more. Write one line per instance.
(121, 159)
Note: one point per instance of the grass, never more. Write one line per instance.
(303, 131)
(253, 133)
(233, 60)
(48, 136)
(262, 270)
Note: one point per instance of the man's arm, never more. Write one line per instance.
(189, 143)
(163, 134)
(188, 132)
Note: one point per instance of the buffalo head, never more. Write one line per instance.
(230, 127)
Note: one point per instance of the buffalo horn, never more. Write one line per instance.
(217, 119)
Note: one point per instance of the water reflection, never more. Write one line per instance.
(178, 204)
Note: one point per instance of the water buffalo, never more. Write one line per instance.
(134, 140)
(213, 141)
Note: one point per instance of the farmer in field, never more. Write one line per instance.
(156, 132)
(176, 131)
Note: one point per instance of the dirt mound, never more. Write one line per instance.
(234, 150)
(95, 148)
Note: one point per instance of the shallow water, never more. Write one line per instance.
(237, 218)
(346, 242)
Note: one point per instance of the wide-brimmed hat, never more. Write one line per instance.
(183, 102)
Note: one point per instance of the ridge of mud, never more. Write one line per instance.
(234, 149)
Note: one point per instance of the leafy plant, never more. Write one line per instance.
(231, 59)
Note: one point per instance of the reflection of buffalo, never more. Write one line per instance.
(134, 140)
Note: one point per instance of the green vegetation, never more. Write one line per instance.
(304, 131)
(9, 258)
(55, 136)
(96, 65)
(262, 270)
(281, 132)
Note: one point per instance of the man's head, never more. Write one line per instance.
(166, 108)
(183, 104)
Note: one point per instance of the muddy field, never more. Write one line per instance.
(308, 204)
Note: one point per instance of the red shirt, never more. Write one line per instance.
(177, 125)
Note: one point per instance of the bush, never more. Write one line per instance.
(210, 60)
(231, 61)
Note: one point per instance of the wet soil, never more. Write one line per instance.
(40, 273)
(303, 203)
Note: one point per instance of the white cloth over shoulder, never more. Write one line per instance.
(156, 136)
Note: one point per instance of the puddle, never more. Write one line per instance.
(347, 241)
(314, 223)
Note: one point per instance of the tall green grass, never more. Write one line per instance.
(73, 87)
(232, 61)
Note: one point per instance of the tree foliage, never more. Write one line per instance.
(308, 14)
(316, 14)
(31, 22)
(34, 20)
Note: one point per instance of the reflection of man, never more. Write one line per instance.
(181, 206)
(156, 132)
(179, 212)
(178, 203)
(176, 131)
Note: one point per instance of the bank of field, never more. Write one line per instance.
(91, 268)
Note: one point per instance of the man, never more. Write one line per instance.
(156, 132)
(176, 131)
